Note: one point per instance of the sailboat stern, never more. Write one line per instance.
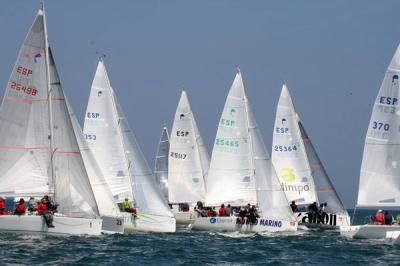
(112, 225)
(148, 223)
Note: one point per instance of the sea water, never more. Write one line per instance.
(197, 248)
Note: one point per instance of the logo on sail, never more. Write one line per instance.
(288, 174)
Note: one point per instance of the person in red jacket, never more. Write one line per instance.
(211, 212)
(3, 208)
(20, 208)
(42, 208)
(379, 218)
(43, 211)
(222, 210)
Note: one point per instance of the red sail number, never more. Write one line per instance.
(19, 87)
(24, 71)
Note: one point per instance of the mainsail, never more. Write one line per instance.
(38, 147)
(117, 151)
(161, 164)
(380, 169)
(289, 154)
(188, 161)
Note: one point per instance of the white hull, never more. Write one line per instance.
(393, 237)
(112, 225)
(333, 221)
(148, 223)
(229, 224)
(368, 231)
(184, 218)
(62, 225)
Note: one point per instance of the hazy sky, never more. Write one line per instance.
(333, 54)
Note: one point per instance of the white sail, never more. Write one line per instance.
(188, 160)
(101, 130)
(39, 151)
(230, 178)
(102, 193)
(161, 164)
(116, 150)
(380, 170)
(289, 155)
(271, 199)
(24, 121)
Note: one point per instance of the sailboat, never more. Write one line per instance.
(301, 173)
(161, 164)
(379, 185)
(241, 172)
(113, 221)
(121, 161)
(188, 163)
(39, 153)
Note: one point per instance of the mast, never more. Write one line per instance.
(49, 91)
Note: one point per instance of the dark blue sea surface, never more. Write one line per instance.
(196, 248)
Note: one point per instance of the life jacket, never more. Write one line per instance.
(3, 209)
(222, 212)
(380, 218)
(210, 213)
(42, 209)
(20, 208)
(126, 205)
(185, 207)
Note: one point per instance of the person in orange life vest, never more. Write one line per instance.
(20, 208)
(42, 208)
(43, 211)
(379, 218)
(3, 209)
(222, 210)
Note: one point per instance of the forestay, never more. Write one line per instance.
(231, 175)
(380, 170)
(39, 149)
(289, 155)
(161, 164)
(188, 160)
(116, 150)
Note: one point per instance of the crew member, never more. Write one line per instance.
(126, 207)
(43, 211)
(3, 208)
(20, 208)
(222, 210)
(294, 207)
(379, 218)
